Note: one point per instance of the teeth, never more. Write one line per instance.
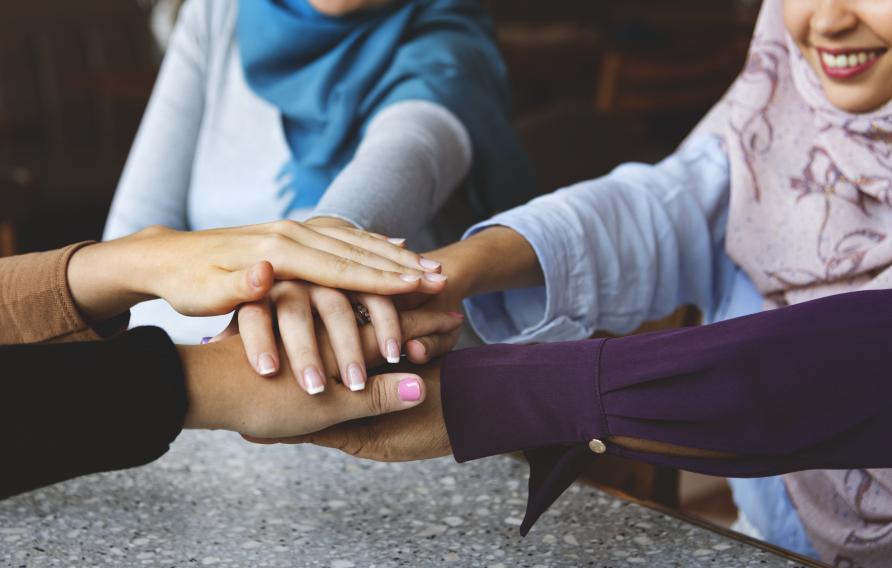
(850, 60)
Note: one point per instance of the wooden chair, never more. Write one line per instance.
(74, 80)
(14, 198)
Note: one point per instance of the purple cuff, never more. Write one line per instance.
(542, 399)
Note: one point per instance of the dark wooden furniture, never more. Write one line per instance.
(74, 80)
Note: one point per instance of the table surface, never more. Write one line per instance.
(215, 500)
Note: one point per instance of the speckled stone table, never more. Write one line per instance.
(215, 500)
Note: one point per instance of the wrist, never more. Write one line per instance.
(213, 403)
(100, 281)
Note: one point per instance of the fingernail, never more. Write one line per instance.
(420, 344)
(355, 378)
(255, 277)
(205, 340)
(429, 264)
(314, 381)
(266, 363)
(409, 390)
(410, 277)
(397, 242)
(433, 277)
(393, 351)
(457, 315)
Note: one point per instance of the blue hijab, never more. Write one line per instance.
(330, 76)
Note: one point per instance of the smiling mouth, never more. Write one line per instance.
(848, 63)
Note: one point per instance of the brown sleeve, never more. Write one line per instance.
(36, 304)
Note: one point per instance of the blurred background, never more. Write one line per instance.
(595, 83)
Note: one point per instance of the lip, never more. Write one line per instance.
(848, 72)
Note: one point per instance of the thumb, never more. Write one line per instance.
(383, 394)
(247, 285)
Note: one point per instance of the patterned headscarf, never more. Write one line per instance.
(811, 215)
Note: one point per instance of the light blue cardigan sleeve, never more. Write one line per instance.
(617, 251)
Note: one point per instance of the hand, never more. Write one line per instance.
(333, 345)
(223, 393)
(497, 258)
(419, 433)
(212, 272)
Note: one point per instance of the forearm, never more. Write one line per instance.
(79, 408)
(412, 157)
(495, 259)
(752, 396)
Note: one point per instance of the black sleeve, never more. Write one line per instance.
(77, 408)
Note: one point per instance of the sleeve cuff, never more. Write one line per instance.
(543, 399)
(530, 315)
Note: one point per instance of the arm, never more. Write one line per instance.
(133, 394)
(37, 305)
(155, 183)
(749, 397)
(612, 252)
(412, 157)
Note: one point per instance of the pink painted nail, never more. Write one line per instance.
(313, 380)
(429, 264)
(355, 378)
(205, 340)
(457, 315)
(393, 351)
(410, 277)
(409, 390)
(266, 364)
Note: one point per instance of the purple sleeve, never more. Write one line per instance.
(803, 387)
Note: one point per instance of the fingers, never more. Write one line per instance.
(386, 325)
(336, 312)
(392, 250)
(384, 394)
(423, 322)
(296, 326)
(255, 323)
(423, 349)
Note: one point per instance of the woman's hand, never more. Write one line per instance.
(333, 345)
(212, 272)
(223, 393)
(419, 433)
(497, 258)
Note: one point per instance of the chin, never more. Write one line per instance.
(853, 102)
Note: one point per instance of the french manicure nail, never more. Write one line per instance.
(429, 264)
(434, 277)
(355, 378)
(409, 390)
(410, 277)
(393, 351)
(205, 340)
(266, 364)
(313, 380)
(397, 242)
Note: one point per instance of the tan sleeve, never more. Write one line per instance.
(36, 304)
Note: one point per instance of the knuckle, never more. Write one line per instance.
(283, 226)
(272, 242)
(378, 399)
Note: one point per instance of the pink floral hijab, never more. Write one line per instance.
(811, 215)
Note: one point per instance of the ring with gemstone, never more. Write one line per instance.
(362, 314)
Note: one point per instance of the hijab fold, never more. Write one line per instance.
(810, 215)
(329, 77)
